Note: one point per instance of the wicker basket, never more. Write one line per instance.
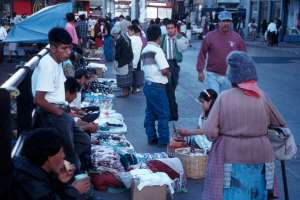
(194, 163)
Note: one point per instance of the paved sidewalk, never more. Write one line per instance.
(289, 47)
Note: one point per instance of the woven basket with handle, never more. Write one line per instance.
(193, 160)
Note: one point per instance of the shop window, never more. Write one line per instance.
(151, 12)
(164, 13)
(254, 9)
(264, 10)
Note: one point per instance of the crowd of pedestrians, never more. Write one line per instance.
(236, 112)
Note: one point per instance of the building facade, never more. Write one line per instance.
(5, 8)
(293, 21)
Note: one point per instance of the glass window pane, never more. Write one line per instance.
(151, 12)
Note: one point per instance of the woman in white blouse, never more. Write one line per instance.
(137, 45)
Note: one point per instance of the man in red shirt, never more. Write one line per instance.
(215, 48)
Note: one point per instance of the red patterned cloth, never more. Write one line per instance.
(158, 166)
(102, 181)
(99, 42)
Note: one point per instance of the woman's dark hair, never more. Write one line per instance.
(41, 144)
(134, 28)
(70, 17)
(153, 33)
(208, 95)
(59, 35)
(107, 26)
(72, 86)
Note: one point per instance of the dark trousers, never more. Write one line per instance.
(171, 87)
(76, 142)
(1, 51)
(272, 38)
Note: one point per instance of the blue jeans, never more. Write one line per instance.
(157, 108)
(217, 82)
(247, 182)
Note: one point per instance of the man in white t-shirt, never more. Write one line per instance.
(156, 69)
(49, 94)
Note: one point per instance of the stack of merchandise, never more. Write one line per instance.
(96, 55)
(99, 68)
(149, 185)
(109, 82)
(114, 158)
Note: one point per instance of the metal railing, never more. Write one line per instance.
(21, 80)
(19, 76)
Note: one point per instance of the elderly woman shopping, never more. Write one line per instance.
(241, 162)
(123, 60)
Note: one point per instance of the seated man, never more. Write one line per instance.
(40, 172)
(72, 88)
(49, 96)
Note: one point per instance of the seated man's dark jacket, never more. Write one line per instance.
(32, 182)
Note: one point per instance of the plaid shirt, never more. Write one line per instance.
(82, 29)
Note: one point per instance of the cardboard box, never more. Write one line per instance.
(148, 192)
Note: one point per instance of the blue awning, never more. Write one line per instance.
(35, 28)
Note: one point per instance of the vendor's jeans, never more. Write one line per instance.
(157, 108)
(217, 82)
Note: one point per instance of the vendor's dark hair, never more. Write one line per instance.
(153, 33)
(41, 144)
(165, 21)
(79, 73)
(208, 95)
(60, 36)
(72, 86)
(70, 17)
